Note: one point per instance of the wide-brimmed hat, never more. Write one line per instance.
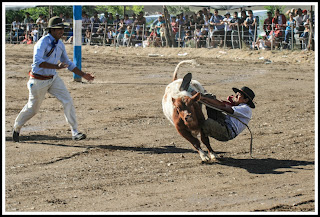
(228, 13)
(248, 92)
(56, 23)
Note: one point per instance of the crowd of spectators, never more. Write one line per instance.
(201, 29)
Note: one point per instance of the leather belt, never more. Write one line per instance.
(40, 77)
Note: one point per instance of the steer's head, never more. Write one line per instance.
(186, 109)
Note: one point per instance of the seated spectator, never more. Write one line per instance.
(18, 33)
(35, 34)
(128, 36)
(188, 39)
(153, 38)
(199, 37)
(263, 42)
(110, 35)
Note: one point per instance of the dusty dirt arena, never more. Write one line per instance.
(133, 160)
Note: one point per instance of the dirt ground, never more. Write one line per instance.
(133, 160)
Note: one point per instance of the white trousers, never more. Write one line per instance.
(37, 91)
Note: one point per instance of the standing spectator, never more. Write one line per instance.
(267, 23)
(104, 18)
(186, 23)
(140, 22)
(235, 21)
(206, 23)
(158, 24)
(62, 17)
(116, 20)
(299, 22)
(68, 19)
(163, 34)
(40, 21)
(88, 36)
(175, 27)
(119, 31)
(28, 24)
(181, 21)
(279, 20)
(110, 19)
(244, 29)
(227, 28)
(27, 19)
(134, 17)
(250, 23)
(85, 20)
(210, 35)
(45, 24)
(305, 16)
(291, 23)
(217, 22)
(16, 31)
(127, 20)
(48, 52)
(193, 22)
(95, 21)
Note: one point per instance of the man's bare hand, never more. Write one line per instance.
(62, 65)
(88, 76)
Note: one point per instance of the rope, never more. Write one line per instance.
(210, 106)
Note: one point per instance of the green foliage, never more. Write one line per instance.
(175, 10)
(90, 10)
(272, 8)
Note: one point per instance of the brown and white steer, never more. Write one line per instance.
(184, 112)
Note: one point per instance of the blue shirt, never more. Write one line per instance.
(217, 19)
(41, 50)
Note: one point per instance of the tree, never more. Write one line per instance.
(272, 8)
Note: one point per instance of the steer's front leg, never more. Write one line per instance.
(194, 141)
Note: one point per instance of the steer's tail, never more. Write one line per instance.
(193, 62)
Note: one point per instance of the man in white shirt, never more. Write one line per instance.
(218, 125)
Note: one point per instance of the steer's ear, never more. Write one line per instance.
(196, 97)
(173, 100)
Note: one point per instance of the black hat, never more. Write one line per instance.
(56, 23)
(248, 92)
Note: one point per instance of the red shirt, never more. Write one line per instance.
(267, 24)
